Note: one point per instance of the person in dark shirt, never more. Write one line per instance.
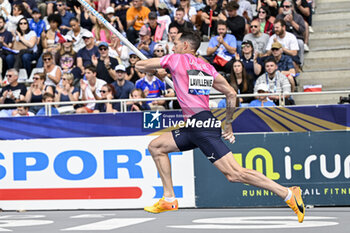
(122, 87)
(5, 42)
(107, 93)
(179, 20)
(235, 23)
(12, 93)
(85, 54)
(212, 5)
(105, 64)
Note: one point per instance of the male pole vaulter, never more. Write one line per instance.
(193, 79)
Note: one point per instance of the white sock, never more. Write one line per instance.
(289, 195)
(169, 199)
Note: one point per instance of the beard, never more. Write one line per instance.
(288, 12)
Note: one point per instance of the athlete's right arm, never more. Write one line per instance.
(149, 65)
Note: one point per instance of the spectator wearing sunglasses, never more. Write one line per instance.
(107, 93)
(159, 51)
(53, 72)
(105, 64)
(266, 25)
(258, 38)
(271, 4)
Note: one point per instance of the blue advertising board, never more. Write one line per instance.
(318, 162)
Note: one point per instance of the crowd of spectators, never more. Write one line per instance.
(73, 56)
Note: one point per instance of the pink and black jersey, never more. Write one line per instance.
(192, 79)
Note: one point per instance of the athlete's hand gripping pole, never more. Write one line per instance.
(118, 34)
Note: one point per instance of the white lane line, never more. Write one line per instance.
(92, 215)
(21, 223)
(266, 222)
(109, 224)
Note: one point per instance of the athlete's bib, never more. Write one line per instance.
(199, 82)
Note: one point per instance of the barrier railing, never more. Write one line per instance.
(123, 102)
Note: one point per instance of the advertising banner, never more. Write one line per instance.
(87, 173)
(246, 120)
(318, 162)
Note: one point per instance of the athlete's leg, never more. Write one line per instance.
(159, 149)
(235, 173)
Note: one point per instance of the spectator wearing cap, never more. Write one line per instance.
(180, 22)
(158, 30)
(277, 82)
(65, 16)
(250, 59)
(114, 20)
(284, 63)
(77, 33)
(170, 5)
(37, 24)
(5, 6)
(133, 74)
(146, 44)
(66, 57)
(288, 41)
(105, 64)
(235, 23)
(135, 19)
(222, 48)
(163, 15)
(258, 38)
(122, 86)
(262, 101)
(85, 54)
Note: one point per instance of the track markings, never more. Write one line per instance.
(109, 224)
(266, 222)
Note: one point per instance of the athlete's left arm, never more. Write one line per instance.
(222, 85)
(149, 65)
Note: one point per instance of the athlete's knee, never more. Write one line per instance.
(155, 148)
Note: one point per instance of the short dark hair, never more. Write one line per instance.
(233, 5)
(55, 18)
(3, 19)
(180, 9)
(192, 37)
(270, 59)
(22, 102)
(281, 21)
(91, 68)
(221, 22)
(74, 19)
(48, 95)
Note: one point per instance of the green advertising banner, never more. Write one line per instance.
(318, 162)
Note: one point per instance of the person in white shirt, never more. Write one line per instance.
(90, 89)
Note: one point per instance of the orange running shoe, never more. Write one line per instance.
(162, 206)
(296, 203)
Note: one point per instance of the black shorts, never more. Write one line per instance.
(208, 139)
